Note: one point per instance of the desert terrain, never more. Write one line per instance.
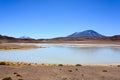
(60, 72)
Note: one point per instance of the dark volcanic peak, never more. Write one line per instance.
(87, 33)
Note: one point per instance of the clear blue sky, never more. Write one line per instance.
(55, 18)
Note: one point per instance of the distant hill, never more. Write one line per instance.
(87, 33)
(8, 39)
(115, 38)
(25, 37)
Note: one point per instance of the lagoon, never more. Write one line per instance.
(65, 54)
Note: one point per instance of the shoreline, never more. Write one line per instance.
(7, 63)
(31, 45)
(66, 42)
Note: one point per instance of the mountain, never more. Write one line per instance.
(87, 33)
(25, 37)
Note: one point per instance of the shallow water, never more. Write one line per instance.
(64, 54)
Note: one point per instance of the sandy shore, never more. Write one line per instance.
(60, 72)
(5, 46)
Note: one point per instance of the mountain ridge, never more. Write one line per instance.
(90, 37)
(86, 33)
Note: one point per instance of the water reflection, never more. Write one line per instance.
(85, 49)
(115, 49)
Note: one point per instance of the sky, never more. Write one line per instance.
(58, 18)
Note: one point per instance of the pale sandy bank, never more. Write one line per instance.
(17, 47)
